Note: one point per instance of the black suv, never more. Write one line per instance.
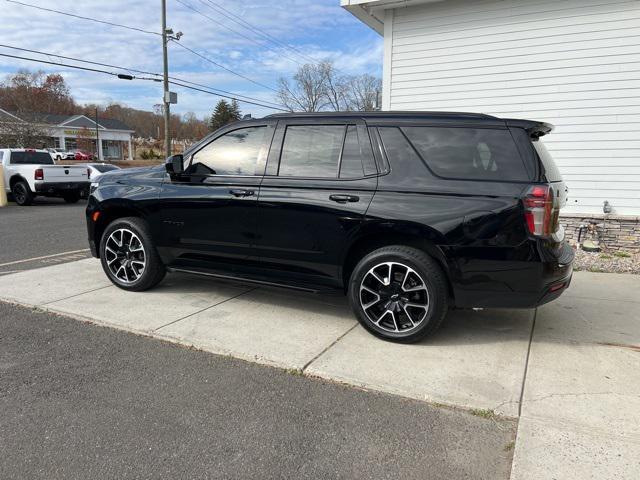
(409, 214)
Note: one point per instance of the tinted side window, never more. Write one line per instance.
(234, 153)
(399, 151)
(311, 151)
(351, 161)
(469, 153)
(105, 168)
(31, 158)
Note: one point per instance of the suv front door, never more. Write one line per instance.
(209, 212)
(319, 181)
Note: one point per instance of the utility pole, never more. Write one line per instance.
(165, 102)
(97, 137)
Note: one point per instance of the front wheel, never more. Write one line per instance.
(128, 255)
(399, 293)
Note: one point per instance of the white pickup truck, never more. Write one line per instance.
(29, 172)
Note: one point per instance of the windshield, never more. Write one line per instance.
(105, 168)
(550, 167)
(31, 158)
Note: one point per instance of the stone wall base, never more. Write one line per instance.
(617, 232)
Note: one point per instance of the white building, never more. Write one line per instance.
(573, 63)
(65, 130)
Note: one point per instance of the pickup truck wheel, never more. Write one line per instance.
(22, 193)
(128, 255)
(399, 293)
(72, 197)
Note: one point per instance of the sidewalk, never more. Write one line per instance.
(576, 373)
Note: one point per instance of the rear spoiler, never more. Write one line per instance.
(533, 128)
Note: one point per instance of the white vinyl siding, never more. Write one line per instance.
(573, 63)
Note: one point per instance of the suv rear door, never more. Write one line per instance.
(319, 181)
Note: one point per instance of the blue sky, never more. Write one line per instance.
(319, 29)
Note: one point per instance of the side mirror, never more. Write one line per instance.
(175, 164)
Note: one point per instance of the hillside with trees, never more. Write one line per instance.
(28, 92)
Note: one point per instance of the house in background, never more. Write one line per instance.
(573, 63)
(65, 131)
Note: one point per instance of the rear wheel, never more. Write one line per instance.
(399, 293)
(22, 193)
(128, 255)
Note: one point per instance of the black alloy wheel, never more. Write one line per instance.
(128, 255)
(22, 193)
(399, 293)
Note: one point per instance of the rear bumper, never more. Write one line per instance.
(60, 188)
(525, 284)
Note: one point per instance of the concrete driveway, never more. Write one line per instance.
(568, 371)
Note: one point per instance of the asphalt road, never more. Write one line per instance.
(81, 401)
(49, 226)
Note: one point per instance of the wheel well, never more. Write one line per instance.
(15, 179)
(106, 217)
(372, 242)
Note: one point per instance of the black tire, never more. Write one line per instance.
(425, 283)
(72, 197)
(153, 271)
(22, 194)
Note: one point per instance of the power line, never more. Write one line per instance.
(240, 21)
(130, 77)
(224, 68)
(67, 65)
(226, 96)
(213, 20)
(144, 72)
(104, 22)
(144, 31)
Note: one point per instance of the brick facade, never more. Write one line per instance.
(621, 232)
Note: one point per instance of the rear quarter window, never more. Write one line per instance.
(469, 153)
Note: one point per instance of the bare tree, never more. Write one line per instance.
(306, 92)
(363, 92)
(336, 87)
(317, 87)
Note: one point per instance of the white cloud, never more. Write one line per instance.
(319, 29)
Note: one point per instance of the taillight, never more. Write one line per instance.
(539, 211)
(38, 174)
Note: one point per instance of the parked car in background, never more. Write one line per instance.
(409, 214)
(59, 154)
(29, 173)
(96, 170)
(82, 155)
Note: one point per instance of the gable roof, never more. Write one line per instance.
(72, 121)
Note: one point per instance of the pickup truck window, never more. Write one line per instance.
(30, 158)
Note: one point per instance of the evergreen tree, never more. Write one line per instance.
(224, 113)
(235, 110)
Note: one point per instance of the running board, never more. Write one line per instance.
(244, 279)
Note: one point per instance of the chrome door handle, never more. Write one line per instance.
(241, 192)
(344, 198)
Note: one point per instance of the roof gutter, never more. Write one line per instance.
(363, 12)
